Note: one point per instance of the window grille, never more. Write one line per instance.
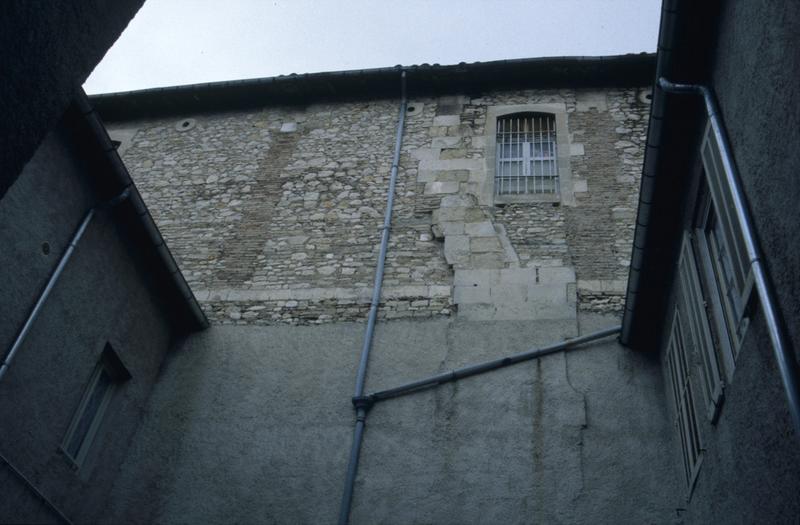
(691, 301)
(526, 155)
(685, 416)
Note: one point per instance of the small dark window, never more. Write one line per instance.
(107, 375)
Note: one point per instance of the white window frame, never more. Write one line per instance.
(727, 268)
(679, 373)
(692, 302)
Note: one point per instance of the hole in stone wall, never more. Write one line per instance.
(185, 124)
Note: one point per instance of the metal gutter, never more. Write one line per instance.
(667, 34)
(360, 407)
(543, 72)
(54, 277)
(787, 365)
(144, 217)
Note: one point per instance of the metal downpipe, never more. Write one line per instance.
(787, 364)
(51, 282)
(361, 409)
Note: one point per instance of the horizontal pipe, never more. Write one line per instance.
(35, 490)
(471, 370)
(787, 364)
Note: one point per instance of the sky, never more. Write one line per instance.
(173, 42)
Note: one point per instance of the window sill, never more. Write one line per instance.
(554, 198)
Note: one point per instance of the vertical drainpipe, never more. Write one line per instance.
(360, 403)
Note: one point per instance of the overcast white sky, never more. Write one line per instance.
(172, 42)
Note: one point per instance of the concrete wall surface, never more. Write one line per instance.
(254, 424)
(49, 49)
(750, 471)
(102, 296)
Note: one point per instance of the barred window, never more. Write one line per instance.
(526, 154)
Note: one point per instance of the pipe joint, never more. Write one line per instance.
(125, 195)
(363, 403)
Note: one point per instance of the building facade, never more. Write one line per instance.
(274, 212)
(512, 225)
(515, 214)
(715, 254)
(91, 307)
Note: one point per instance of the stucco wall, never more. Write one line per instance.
(103, 296)
(750, 471)
(275, 214)
(48, 52)
(255, 423)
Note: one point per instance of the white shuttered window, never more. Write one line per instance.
(724, 250)
(678, 367)
(691, 302)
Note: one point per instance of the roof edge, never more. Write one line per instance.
(579, 71)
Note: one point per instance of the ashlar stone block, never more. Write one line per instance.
(447, 120)
(487, 260)
(437, 187)
(485, 245)
(456, 249)
(482, 229)
(471, 294)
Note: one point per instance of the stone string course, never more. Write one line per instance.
(274, 215)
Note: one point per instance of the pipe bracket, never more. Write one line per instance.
(363, 402)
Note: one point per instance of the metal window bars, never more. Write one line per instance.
(526, 155)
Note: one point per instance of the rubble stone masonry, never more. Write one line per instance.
(274, 215)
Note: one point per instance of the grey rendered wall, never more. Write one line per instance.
(254, 423)
(102, 296)
(49, 49)
(751, 464)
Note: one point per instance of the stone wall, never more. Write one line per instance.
(275, 215)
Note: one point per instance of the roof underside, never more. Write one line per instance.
(423, 80)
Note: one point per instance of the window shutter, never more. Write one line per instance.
(723, 203)
(685, 416)
(691, 298)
